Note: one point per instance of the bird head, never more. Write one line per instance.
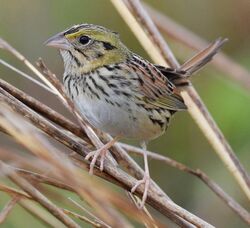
(85, 47)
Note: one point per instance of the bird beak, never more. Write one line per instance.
(58, 41)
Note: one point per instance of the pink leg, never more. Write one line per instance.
(99, 152)
(145, 180)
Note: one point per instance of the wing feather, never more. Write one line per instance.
(156, 89)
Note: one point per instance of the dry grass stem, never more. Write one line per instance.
(8, 208)
(90, 214)
(6, 46)
(25, 75)
(137, 203)
(32, 191)
(210, 129)
(83, 218)
(12, 191)
(39, 213)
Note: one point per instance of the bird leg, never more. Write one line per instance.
(99, 152)
(145, 180)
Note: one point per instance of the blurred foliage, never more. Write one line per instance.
(26, 24)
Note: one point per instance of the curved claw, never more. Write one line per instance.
(102, 161)
(95, 154)
(146, 182)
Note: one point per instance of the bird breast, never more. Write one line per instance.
(121, 120)
(111, 106)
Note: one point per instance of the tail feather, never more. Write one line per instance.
(180, 76)
(202, 58)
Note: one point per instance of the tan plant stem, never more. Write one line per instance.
(8, 208)
(47, 219)
(27, 187)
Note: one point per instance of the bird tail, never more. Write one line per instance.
(194, 64)
(179, 77)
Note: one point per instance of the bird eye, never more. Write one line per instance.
(84, 40)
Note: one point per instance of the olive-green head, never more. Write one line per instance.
(88, 47)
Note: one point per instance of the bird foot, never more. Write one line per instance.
(146, 182)
(99, 152)
(94, 155)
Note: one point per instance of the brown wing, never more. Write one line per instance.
(156, 89)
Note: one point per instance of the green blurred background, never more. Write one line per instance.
(26, 24)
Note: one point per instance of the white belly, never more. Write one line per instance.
(118, 121)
